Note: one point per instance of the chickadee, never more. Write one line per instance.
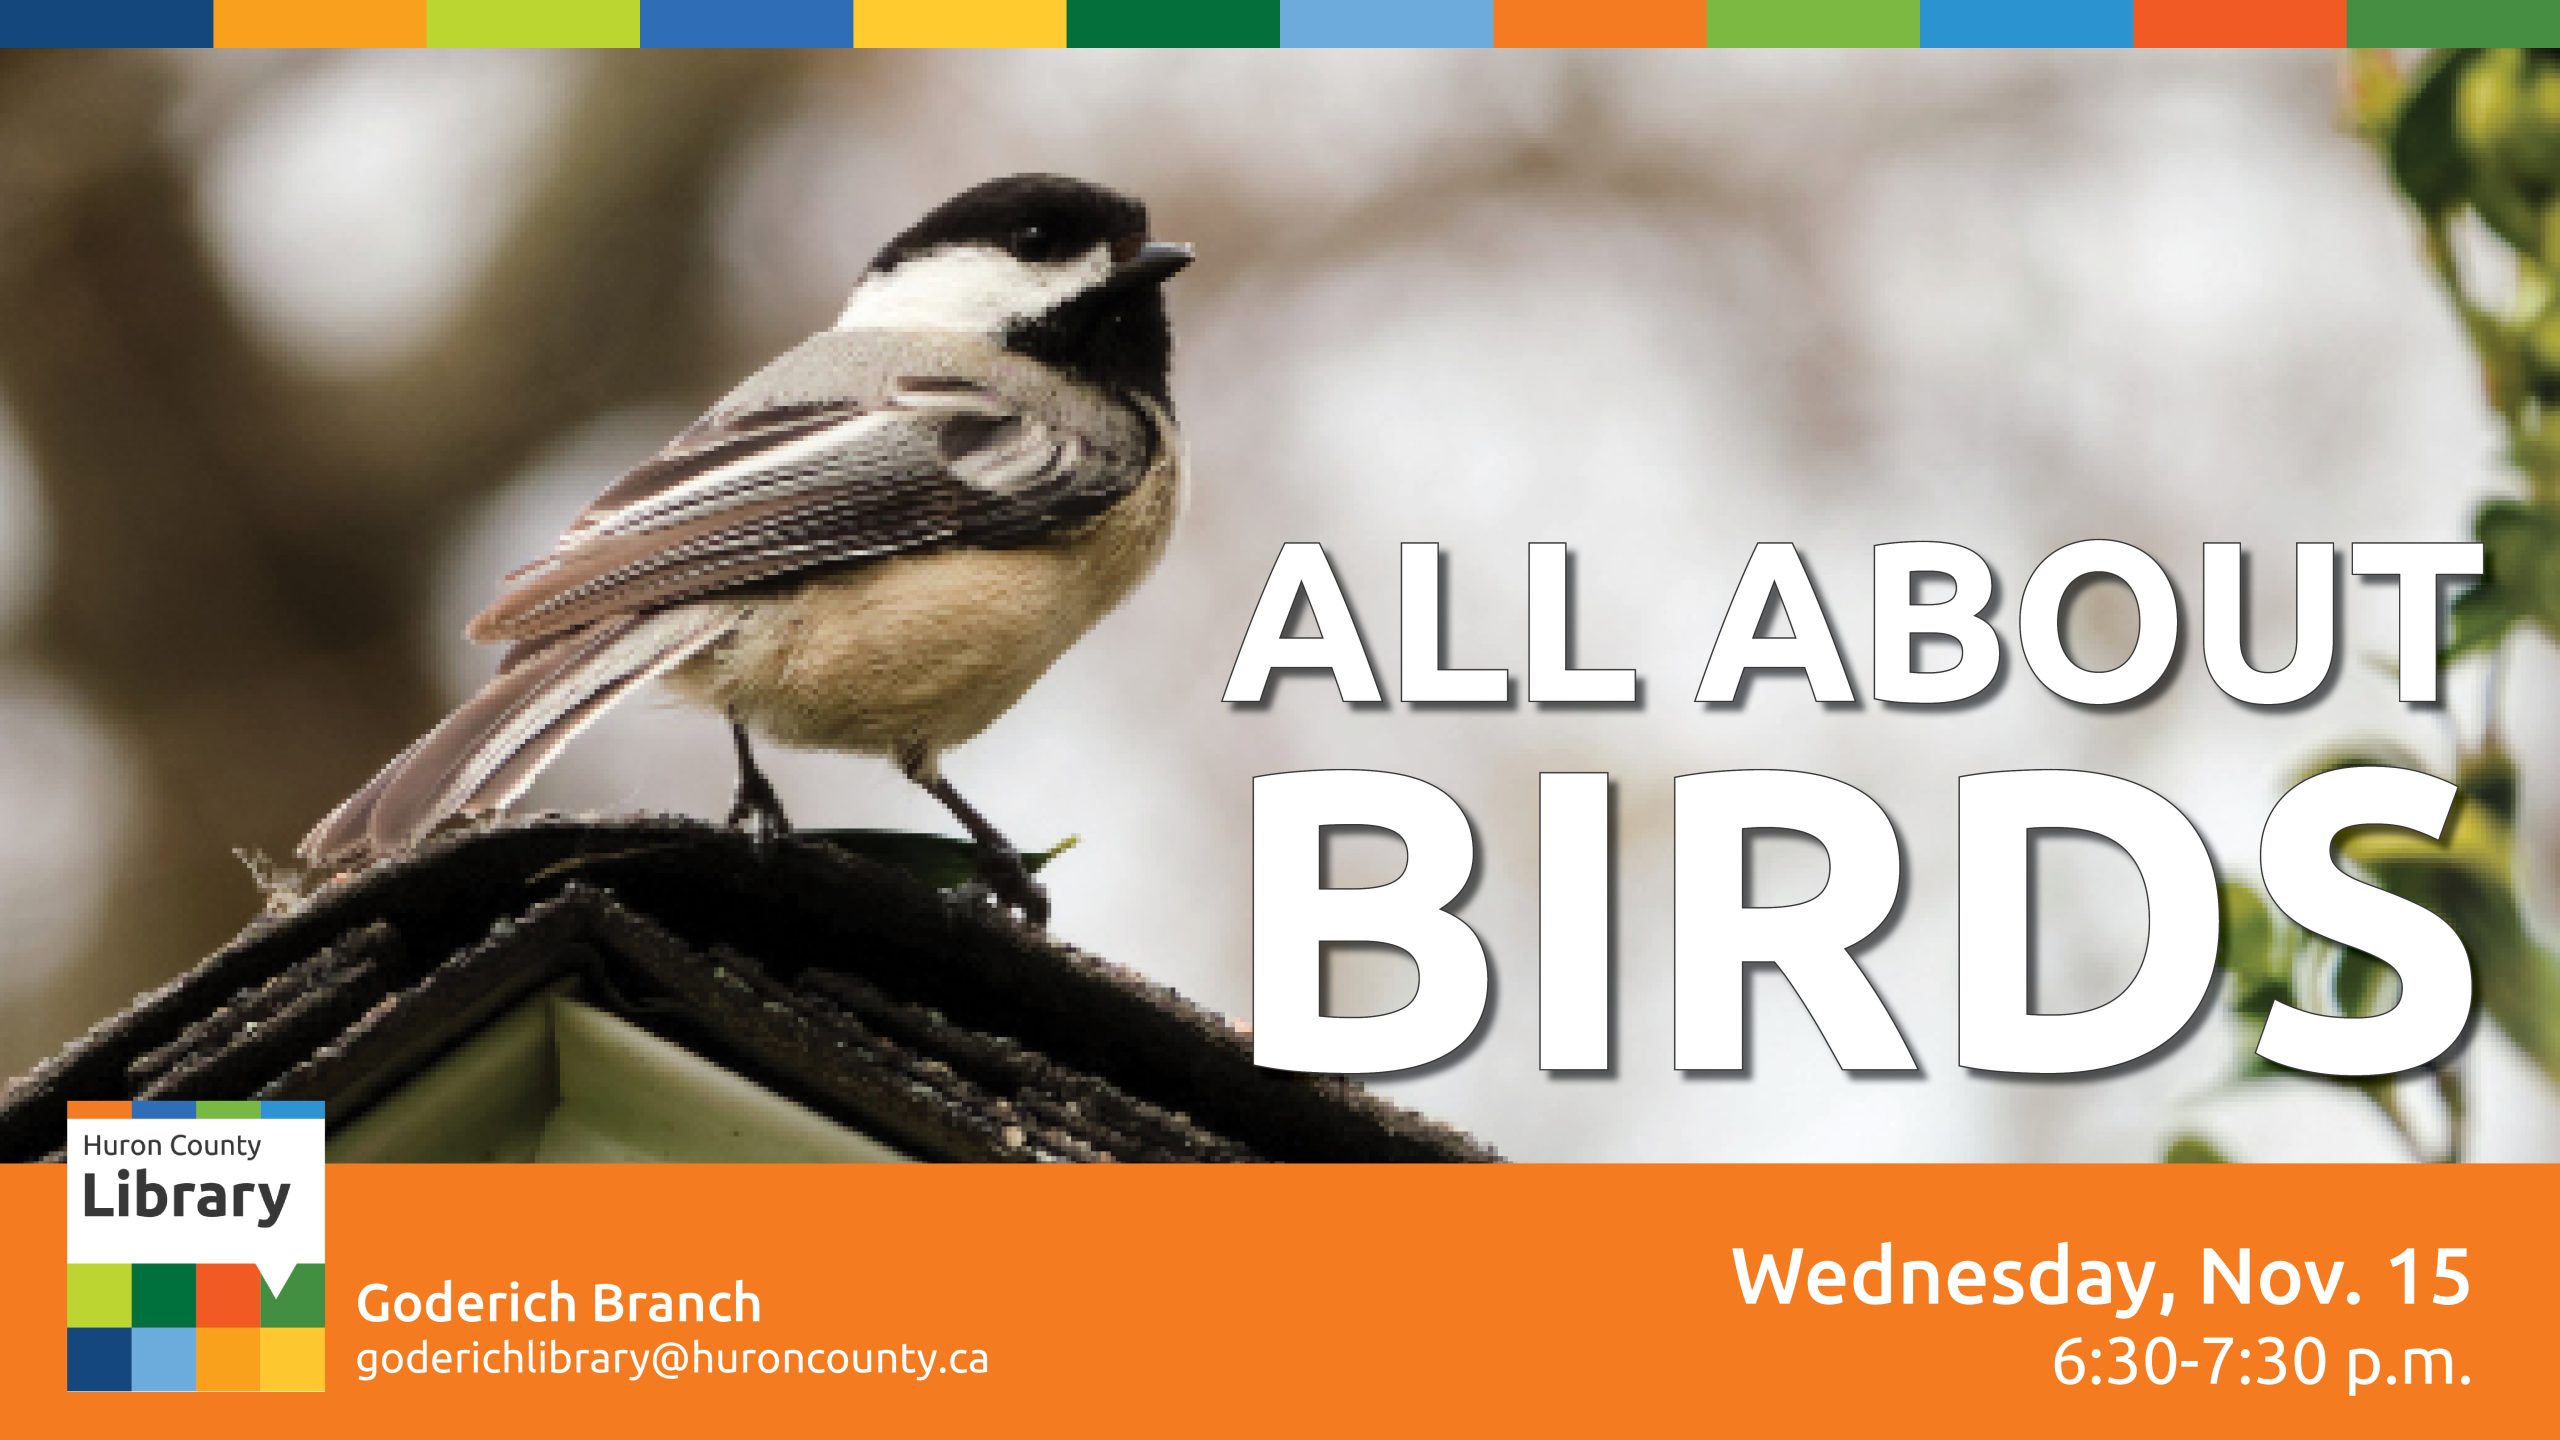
(875, 544)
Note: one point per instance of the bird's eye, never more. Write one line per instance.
(1032, 242)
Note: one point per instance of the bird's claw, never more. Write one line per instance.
(757, 810)
(1004, 886)
(761, 820)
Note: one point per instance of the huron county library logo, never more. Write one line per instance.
(196, 1254)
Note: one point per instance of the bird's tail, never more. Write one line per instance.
(484, 755)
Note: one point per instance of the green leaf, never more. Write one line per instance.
(940, 861)
(2194, 1149)
(2468, 879)
(2508, 210)
(2482, 616)
(2256, 951)
(2427, 157)
(2487, 778)
(2520, 580)
(2265, 955)
(2356, 984)
(2348, 757)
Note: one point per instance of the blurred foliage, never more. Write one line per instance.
(2477, 133)
(2472, 139)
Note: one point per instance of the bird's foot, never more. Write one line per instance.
(758, 812)
(758, 809)
(1001, 873)
(969, 897)
(1005, 883)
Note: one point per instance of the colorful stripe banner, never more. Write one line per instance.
(199, 1110)
(1262, 24)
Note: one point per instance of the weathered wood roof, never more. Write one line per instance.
(843, 983)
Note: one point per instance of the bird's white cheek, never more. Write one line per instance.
(977, 291)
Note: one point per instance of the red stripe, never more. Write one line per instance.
(2203, 24)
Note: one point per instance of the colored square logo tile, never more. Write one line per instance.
(99, 1296)
(164, 1360)
(227, 1359)
(303, 1304)
(98, 1359)
(164, 1296)
(228, 1295)
(293, 1359)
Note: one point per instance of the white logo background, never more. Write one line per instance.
(290, 1152)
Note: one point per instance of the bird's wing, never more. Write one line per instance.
(749, 495)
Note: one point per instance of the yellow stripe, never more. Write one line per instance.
(959, 24)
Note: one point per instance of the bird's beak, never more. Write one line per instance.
(1156, 262)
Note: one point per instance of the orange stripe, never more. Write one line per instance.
(101, 1109)
(319, 24)
(1589, 24)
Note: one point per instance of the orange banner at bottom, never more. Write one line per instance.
(2113, 1300)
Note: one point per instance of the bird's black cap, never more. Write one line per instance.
(1034, 217)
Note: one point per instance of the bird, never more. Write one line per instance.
(875, 544)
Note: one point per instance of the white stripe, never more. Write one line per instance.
(974, 289)
(703, 491)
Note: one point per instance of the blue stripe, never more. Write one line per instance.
(2027, 24)
(1358, 24)
(293, 1109)
(106, 24)
(746, 24)
(164, 1109)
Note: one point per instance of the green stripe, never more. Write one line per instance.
(2453, 22)
(1780, 24)
(1145, 24)
(534, 24)
(227, 1110)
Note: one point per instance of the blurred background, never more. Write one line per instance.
(299, 354)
